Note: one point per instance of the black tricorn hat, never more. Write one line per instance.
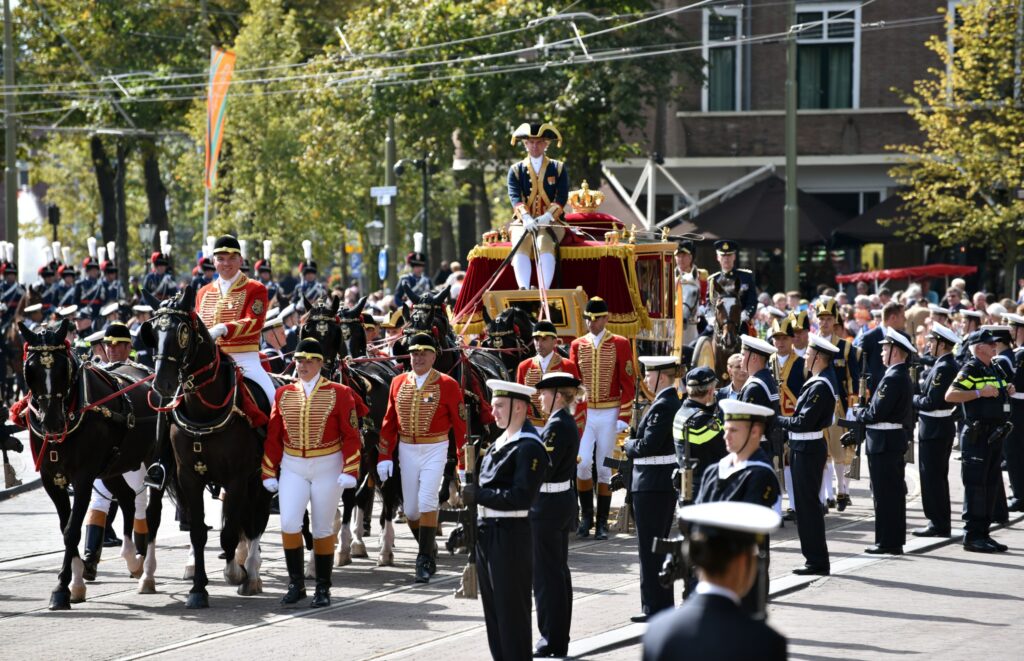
(546, 131)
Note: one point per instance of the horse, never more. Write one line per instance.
(342, 336)
(512, 332)
(86, 422)
(213, 441)
(12, 380)
(689, 293)
(727, 331)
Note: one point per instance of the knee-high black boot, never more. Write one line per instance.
(424, 558)
(322, 594)
(296, 576)
(604, 505)
(93, 550)
(586, 513)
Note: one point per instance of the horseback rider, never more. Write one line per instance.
(424, 405)
(89, 288)
(233, 308)
(413, 284)
(112, 289)
(310, 288)
(159, 282)
(11, 292)
(313, 444)
(686, 268)
(732, 282)
(538, 188)
(265, 274)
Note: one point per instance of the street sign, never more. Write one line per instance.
(383, 191)
(384, 200)
(382, 264)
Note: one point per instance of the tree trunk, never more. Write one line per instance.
(108, 197)
(121, 213)
(447, 241)
(466, 214)
(483, 206)
(1012, 254)
(156, 192)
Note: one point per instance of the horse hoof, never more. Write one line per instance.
(359, 550)
(60, 600)
(251, 587)
(197, 600)
(147, 586)
(190, 572)
(343, 559)
(386, 560)
(136, 574)
(235, 576)
(78, 594)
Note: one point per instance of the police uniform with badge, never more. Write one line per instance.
(652, 488)
(980, 387)
(511, 474)
(936, 428)
(711, 625)
(696, 428)
(1013, 446)
(538, 189)
(815, 409)
(889, 422)
(553, 515)
(734, 283)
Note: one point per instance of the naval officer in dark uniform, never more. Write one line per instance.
(889, 422)
(654, 494)
(807, 453)
(731, 282)
(1013, 446)
(553, 515)
(936, 428)
(710, 625)
(511, 474)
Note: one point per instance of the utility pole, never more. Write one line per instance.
(10, 134)
(426, 213)
(390, 221)
(792, 211)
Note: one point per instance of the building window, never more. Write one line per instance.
(828, 56)
(722, 32)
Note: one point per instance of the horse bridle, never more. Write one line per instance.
(161, 321)
(46, 352)
(322, 322)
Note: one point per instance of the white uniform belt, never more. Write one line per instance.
(488, 513)
(662, 460)
(804, 435)
(942, 413)
(555, 487)
(1017, 395)
(885, 426)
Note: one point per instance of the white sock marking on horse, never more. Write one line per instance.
(131, 556)
(190, 564)
(253, 562)
(147, 584)
(77, 581)
(386, 558)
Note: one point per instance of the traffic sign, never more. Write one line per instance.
(383, 191)
(382, 264)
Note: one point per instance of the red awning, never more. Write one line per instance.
(913, 273)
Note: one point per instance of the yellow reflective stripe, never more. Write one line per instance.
(703, 436)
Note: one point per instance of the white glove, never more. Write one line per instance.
(346, 481)
(384, 469)
(621, 426)
(529, 223)
(271, 485)
(462, 476)
(545, 218)
(744, 317)
(220, 330)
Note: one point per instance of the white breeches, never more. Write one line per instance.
(102, 498)
(422, 474)
(312, 481)
(252, 368)
(599, 432)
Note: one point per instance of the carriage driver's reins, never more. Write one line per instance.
(187, 381)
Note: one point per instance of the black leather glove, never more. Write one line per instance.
(617, 482)
(469, 494)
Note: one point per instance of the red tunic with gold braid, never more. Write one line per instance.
(607, 372)
(242, 309)
(530, 372)
(324, 423)
(423, 415)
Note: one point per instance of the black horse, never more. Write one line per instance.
(511, 331)
(213, 442)
(85, 423)
(342, 336)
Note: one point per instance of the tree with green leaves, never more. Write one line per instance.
(962, 179)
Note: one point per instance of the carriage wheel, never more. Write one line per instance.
(704, 352)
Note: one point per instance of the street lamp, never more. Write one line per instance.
(375, 234)
(423, 165)
(147, 232)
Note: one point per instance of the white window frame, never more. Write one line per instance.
(736, 11)
(825, 8)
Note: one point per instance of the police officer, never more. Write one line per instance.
(654, 494)
(731, 282)
(745, 475)
(511, 474)
(807, 453)
(697, 429)
(538, 189)
(415, 283)
(711, 625)
(553, 514)
(888, 420)
(985, 395)
(311, 455)
(1013, 446)
(935, 431)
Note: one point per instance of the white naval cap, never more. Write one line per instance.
(734, 409)
(1014, 319)
(142, 308)
(893, 336)
(757, 345)
(290, 309)
(971, 313)
(821, 344)
(995, 310)
(938, 309)
(272, 313)
(510, 389)
(731, 516)
(659, 363)
(776, 312)
(33, 308)
(109, 308)
(946, 334)
(96, 337)
(67, 310)
(273, 323)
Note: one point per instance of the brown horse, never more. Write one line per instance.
(728, 329)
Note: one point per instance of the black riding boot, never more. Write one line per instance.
(604, 505)
(93, 550)
(586, 513)
(110, 538)
(424, 559)
(322, 595)
(296, 576)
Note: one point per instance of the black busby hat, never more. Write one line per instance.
(90, 263)
(596, 307)
(309, 348)
(67, 271)
(700, 376)
(545, 130)
(109, 266)
(263, 266)
(117, 332)
(544, 329)
(206, 264)
(685, 247)
(46, 270)
(726, 247)
(227, 244)
(416, 259)
(422, 342)
(158, 259)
